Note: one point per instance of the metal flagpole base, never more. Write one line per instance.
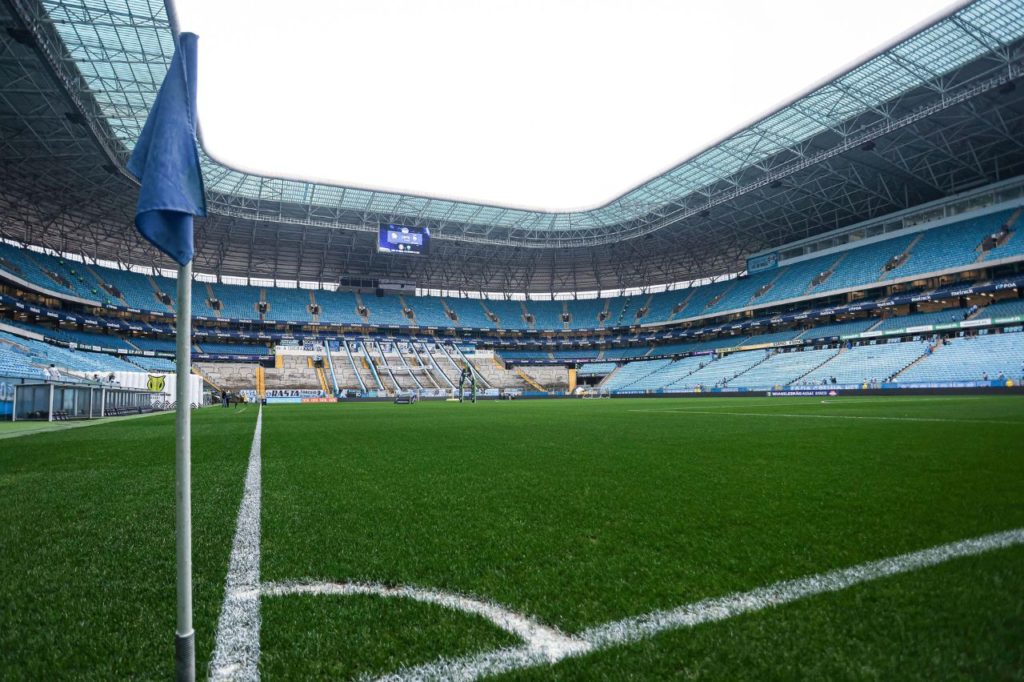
(185, 657)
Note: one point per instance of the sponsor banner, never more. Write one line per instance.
(808, 393)
(295, 393)
(279, 401)
(318, 400)
(765, 261)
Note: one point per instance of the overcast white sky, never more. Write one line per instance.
(543, 104)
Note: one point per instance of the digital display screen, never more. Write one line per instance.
(403, 239)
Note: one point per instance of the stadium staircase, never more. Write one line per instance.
(902, 258)
(817, 367)
(324, 386)
(205, 377)
(646, 307)
(263, 299)
(682, 304)
(920, 358)
(763, 360)
(451, 315)
(529, 380)
(608, 376)
(767, 287)
(157, 292)
(312, 303)
(105, 285)
(209, 297)
(487, 312)
(530, 320)
(816, 282)
(411, 316)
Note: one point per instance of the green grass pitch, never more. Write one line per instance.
(572, 512)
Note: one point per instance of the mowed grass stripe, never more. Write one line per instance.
(87, 580)
(581, 512)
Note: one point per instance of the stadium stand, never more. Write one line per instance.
(387, 310)
(920, 319)
(287, 304)
(838, 329)
(783, 369)
(949, 246)
(971, 359)
(872, 362)
(471, 313)
(214, 348)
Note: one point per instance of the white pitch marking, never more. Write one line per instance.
(541, 640)
(636, 628)
(773, 415)
(236, 653)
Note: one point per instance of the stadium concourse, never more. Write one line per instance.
(810, 332)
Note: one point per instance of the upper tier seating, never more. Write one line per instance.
(288, 304)
(864, 264)
(585, 312)
(429, 311)
(510, 314)
(942, 248)
(949, 246)
(135, 289)
(471, 313)
(237, 302)
(546, 314)
(385, 310)
(335, 306)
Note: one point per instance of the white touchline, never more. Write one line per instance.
(236, 653)
(237, 648)
(641, 627)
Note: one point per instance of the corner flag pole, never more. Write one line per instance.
(184, 635)
(166, 162)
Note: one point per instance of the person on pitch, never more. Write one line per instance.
(463, 375)
(472, 384)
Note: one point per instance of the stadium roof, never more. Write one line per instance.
(927, 117)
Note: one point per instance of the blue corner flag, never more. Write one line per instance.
(166, 161)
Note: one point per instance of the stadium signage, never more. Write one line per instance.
(807, 393)
(765, 261)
